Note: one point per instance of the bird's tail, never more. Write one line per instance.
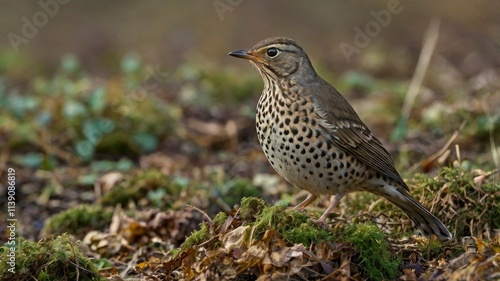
(421, 217)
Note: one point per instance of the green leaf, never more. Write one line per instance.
(96, 129)
(70, 63)
(97, 100)
(73, 109)
(400, 131)
(147, 142)
(131, 63)
(156, 196)
(85, 149)
(124, 164)
(31, 159)
(356, 79)
(20, 105)
(180, 181)
(102, 166)
(92, 132)
(106, 125)
(102, 263)
(88, 179)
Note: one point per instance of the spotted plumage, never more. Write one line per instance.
(315, 140)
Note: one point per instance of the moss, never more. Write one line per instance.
(374, 255)
(305, 233)
(268, 218)
(431, 249)
(451, 195)
(362, 200)
(220, 219)
(175, 252)
(54, 259)
(294, 226)
(196, 237)
(121, 195)
(454, 196)
(250, 207)
(149, 179)
(78, 219)
(145, 184)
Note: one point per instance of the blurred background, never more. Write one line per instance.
(89, 87)
(170, 33)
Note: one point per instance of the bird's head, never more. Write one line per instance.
(277, 58)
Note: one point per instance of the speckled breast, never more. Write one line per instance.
(291, 138)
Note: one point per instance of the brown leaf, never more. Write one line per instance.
(235, 238)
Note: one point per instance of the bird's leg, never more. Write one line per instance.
(334, 203)
(310, 198)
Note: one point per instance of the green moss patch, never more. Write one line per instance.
(78, 220)
(374, 256)
(48, 260)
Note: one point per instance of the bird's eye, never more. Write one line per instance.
(272, 52)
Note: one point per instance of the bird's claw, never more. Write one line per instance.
(321, 224)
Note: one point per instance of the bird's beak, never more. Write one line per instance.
(246, 54)
(243, 54)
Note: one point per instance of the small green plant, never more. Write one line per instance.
(151, 184)
(50, 259)
(251, 207)
(294, 226)
(204, 87)
(374, 252)
(430, 249)
(78, 219)
(454, 196)
(196, 237)
(85, 116)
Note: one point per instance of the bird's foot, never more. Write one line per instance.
(320, 223)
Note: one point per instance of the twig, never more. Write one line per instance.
(431, 38)
(201, 212)
(437, 154)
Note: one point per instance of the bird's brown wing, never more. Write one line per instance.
(344, 128)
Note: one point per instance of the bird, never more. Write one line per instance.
(314, 139)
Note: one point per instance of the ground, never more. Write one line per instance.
(126, 169)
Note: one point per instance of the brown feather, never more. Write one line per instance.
(344, 128)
